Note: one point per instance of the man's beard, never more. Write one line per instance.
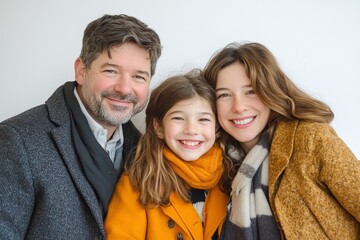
(116, 115)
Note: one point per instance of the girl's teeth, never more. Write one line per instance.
(190, 143)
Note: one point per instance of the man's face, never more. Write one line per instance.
(116, 88)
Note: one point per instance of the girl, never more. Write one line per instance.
(173, 187)
(297, 179)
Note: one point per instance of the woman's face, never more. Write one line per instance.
(240, 111)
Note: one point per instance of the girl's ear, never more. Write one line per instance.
(158, 129)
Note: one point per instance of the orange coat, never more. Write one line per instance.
(127, 219)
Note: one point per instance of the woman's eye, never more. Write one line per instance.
(223, 95)
(250, 92)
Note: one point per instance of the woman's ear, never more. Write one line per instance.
(158, 129)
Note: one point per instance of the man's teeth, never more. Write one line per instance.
(243, 121)
(190, 143)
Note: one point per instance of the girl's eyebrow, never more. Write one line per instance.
(183, 112)
(207, 113)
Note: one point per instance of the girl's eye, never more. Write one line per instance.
(205, 120)
(177, 118)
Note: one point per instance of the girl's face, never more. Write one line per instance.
(241, 113)
(188, 128)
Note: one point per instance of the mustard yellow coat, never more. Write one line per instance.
(127, 219)
(314, 183)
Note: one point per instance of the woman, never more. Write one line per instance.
(296, 179)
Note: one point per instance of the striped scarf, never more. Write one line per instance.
(250, 215)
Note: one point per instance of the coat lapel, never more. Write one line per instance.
(185, 215)
(71, 161)
(59, 114)
(215, 210)
(280, 153)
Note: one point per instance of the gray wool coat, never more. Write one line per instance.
(44, 193)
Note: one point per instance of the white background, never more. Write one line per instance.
(316, 42)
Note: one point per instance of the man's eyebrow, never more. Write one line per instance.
(118, 67)
(109, 65)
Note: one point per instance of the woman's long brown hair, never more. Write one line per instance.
(270, 83)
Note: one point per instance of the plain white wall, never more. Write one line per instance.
(317, 43)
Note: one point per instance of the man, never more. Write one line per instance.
(59, 161)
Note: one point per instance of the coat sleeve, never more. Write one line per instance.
(126, 218)
(340, 170)
(17, 195)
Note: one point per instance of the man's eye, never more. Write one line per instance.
(110, 73)
(140, 78)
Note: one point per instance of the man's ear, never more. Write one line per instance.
(158, 129)
(80, 71)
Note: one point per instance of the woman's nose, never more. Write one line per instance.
(239, 104)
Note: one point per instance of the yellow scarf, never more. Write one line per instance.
(203, 173)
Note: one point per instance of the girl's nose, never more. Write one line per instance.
(191, 128)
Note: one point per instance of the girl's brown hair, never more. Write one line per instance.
(149, 171)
